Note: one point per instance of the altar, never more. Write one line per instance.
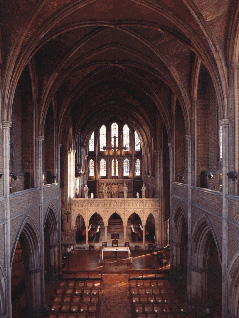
(115, 249)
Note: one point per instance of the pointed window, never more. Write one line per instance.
(114, 133)
(102, 137)
(91, 168)
(137, 141)
(126, 167)
(137, 167)
(126, 137)
(113, 168)
(91, 142)
(102, 168)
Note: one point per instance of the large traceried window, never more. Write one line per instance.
(126, 167)
(137, 141)
(126, 137)
(114, 132)
(137, 167)
(91, 168)
(102, 168)
(92, 142)
(113, 167)
(102, 137)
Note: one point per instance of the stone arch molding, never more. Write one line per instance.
(200, 234)
(123, 207)
(2, 290)
(30, 232)
(178, 217)
(51, 217)
(233, 285)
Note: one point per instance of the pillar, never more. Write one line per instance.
(33, 283)
(7, 216)
(225, 163)
(189, 249)
(59, 208)
(171, 209)
(105, 233)
(87, 235)
(125, 233)
(41, 220)
(144, 234)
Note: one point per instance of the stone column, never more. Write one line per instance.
(189, 254)
(59, 207)
(87, 234)
(144, 234)
(225, 163)
(105, 233)
(33, 283)
(171, 208)
(7, 215)
(125, 232)
(41, 219)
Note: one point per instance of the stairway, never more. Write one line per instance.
(115, 301)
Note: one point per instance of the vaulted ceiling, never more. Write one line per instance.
(97, 58)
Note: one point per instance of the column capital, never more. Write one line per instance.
(224, 122)
(40, 138)
(6, 124)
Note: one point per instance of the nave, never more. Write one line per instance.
(138, 287)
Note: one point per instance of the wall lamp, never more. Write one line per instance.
(1, 174)
(232, 175)
(13, 176)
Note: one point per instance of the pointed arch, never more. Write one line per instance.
(29, 234)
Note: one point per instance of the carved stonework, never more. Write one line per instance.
(115, 188)
(124, 207)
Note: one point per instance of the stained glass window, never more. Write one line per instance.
(103, 168)
(102, 137)
(137, 167)
(137, 141)
(126, 137)
(114, 132)
(91, 142)
(113, 167)
(126, 167)
(91, 168)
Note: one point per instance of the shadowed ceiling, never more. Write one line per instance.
(96, 59)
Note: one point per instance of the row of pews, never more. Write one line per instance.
(151, 298)
(76, 299)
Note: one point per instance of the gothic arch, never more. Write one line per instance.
(233, 286)
(200, 234)
(110, 215)
(51, 220)
(29, 233)
(180, 240)
(99, 213)
(2, 290)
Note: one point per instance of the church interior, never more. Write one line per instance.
(119, 158)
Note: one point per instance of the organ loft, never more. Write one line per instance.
(119, 159)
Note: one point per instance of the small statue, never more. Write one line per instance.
(105, 189)
(86, 189)
(125, 189)
(143, 191)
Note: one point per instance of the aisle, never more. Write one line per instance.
(115, 300)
